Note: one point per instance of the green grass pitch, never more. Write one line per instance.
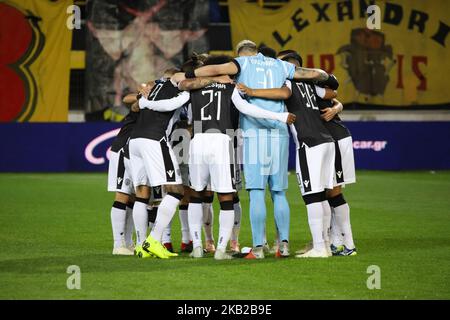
(401, 223)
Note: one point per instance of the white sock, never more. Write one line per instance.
(195, 219)
(343, 220)
(335, 232)
(326, 220)
(118, 219)
(129, 228)
(167, 233)
(185, 236)
(140, 218)
(315, 220)
(226, 222)
(208, 220)
(237, 221)
(166, 210)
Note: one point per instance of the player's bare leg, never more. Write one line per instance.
(118, 222)
(208, 220)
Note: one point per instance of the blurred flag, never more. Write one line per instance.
(35, 47)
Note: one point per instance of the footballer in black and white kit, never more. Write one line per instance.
(315, 164)
(315, 145)
(152, 158)
(344, 160)
(341, 236)
(211, 150)
(120, 182)
(215, 113)
(215, 110)
(155, 164)
(119, 175)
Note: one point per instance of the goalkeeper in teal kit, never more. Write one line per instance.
(266, 142)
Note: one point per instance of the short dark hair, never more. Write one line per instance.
(284, 52)
(291, 54)
(268, 52)
(195, 61)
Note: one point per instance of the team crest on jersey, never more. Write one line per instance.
(127, 182)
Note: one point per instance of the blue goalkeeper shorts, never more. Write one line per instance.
(266, 162)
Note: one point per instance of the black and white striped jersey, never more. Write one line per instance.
(128, 124)
(213, 108)
(156, 125)
(308, 127)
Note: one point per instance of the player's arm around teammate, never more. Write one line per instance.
(233, 68)
(282, 93)
(241, 104)
(329, 113)
(165, 105)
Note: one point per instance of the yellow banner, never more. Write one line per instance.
(403, 63)
(35, 43)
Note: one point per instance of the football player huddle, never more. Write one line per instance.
(189, 134)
